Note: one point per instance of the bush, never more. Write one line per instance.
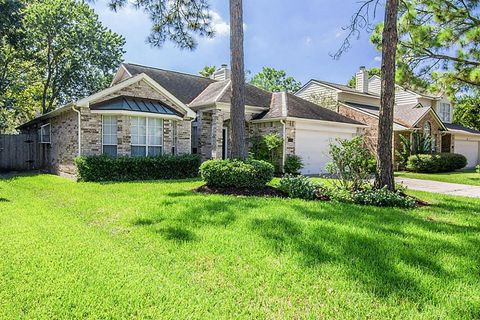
(268, 148)
(477, 168)
(104, 168)
(439, 162)
(351, 164)
(298, 187)
(293, 165)
(383, 198)
(236, 174)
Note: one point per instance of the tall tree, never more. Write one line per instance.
(70, 48)
(274, 80)
(384, 173)
(208, 71)
(362, 20)
(467, 111)
(439, 42)
(237, 105)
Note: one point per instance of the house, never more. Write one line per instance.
(149, 111)
(414, 113)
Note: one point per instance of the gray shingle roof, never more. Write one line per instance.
(288, 105)
(457, 127)
(183, 86)
(345, 88)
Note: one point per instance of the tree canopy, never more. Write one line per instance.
(207, 71)
(64, 53)
(467, 111)
(274, 80)
(439, 44)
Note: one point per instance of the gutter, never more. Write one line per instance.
(79, 130)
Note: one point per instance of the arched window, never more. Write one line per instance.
(427, 129)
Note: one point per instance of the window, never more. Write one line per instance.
(45, 133)
(109, 134)
(147, 136)
(427, 129)
(444, 112)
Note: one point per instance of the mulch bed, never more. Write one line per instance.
(264, 192)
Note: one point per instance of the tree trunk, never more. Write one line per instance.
(237, 107)
(384, 174)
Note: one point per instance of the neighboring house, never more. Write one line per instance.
(414, 112)
(150, 111)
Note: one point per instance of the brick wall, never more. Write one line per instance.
(370, 134)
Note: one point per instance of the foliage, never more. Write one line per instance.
(236, 173)
(352, 83)
(467, 111)
(174, 20)
(438, 162)
(351, 163)
(104, 168)
(438, 42)
(70, 48)
(383, 198)
(293, 164)
(298, 187)
(420, 144)
(208, 71)
(268, 148)
(274, 80)
(477, 168)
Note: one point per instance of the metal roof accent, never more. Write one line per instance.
(125, 103)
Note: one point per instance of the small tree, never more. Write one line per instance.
(268, 148)
(274, 80)
(351, 162)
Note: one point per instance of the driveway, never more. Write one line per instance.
(440, 187)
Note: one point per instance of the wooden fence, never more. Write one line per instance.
(19, 152)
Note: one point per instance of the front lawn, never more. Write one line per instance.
(157, 250)
(463, 177)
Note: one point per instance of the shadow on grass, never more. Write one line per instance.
(177, 234)
(4, 200)
(146, 221)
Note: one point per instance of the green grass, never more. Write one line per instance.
(156, 250)
(463, 177)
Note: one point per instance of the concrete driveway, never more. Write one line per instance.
(440, 187)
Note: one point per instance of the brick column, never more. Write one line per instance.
(123, 136)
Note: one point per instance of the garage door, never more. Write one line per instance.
(313, 145)
(469, 149)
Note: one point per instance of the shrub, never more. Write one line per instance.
(351, 163)
(477, 168)
(268, 148)
(236, 174)
(104, 168)
(298, 187)
(293, 165)
(383, 198)
(439, 162)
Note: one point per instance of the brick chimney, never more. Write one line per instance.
(223, 73)
(362, 80)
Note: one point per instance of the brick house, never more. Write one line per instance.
(414, 113)
(148, 111)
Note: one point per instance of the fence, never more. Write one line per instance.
(19, 152)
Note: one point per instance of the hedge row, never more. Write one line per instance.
(439, 162)
(236, 174)
(104, 168)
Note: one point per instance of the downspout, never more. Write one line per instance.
(79, 130)
(284, 151)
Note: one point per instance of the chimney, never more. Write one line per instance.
(223, 73)
(362, 80)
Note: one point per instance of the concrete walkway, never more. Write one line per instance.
(453, 189)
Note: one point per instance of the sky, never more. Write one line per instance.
(295, 36)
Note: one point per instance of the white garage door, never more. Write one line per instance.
(313, 145)
(469, 149)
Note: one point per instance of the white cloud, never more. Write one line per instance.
(378, 58)
(339, 33)
(221, 27)
(308, 41)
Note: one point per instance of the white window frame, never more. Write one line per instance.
(42, 130)
(445, 111)
(103, 133)
(147, 138)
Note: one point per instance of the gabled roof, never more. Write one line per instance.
(222, 92)
(339, 87)
(418, 94)
(405, 115)
(185, 87)
(286, 105)
(461, 129)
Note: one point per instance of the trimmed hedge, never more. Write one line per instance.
(104, 168)
(439, 162)
(236, 174)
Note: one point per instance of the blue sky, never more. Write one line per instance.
(296, 36)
